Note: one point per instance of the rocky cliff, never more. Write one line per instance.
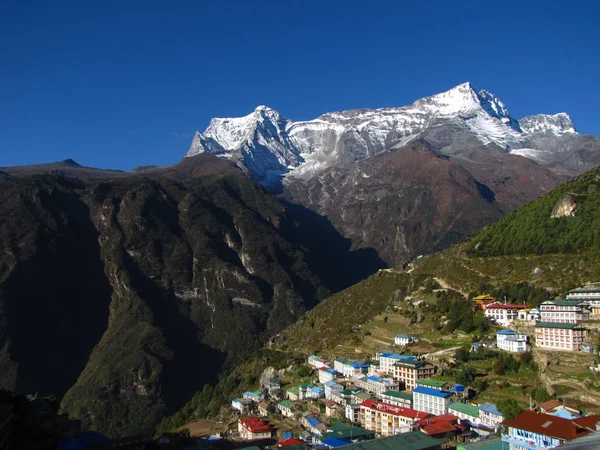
(127, 295)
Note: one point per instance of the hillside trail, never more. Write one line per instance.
(445, 285)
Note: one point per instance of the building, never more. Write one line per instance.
(441, 427)
(512, 341)
(263, 409)
(326, 374)
(433, 384)
(529, 315)
(559, 336)
(489, 416)
(403, 339)
(273, 387)
(286, 408)
(386, 420)
(397, 398)
(241, 404)
(350, 433)
(331, 408)
(432, 401)
(317, 362)
(535, 430)
(387, 361)
(407, 441)
(377, 385)
(464, 412)
(564, 311)
(482, 301)
(349, 368)
(256, 396)
(589, 293)
(373, 368)
(409, 371)
(503, 314)
(352, 412)
(293, 393)
(332, 389)
(487, 444)
(310, 391)
(251, 428)
(312, 423)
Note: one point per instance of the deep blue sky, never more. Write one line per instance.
(118, 84)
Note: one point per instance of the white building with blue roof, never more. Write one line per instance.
(512, 341)
(490, 416)
(432, 401)
(332, 389)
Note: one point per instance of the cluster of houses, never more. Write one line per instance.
(557, 323)
(348, 403)
(378, 400)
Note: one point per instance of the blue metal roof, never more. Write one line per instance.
(405, 336)
(433, 392)
(490, 408)
(312, 421)
(317, 389)
(334, 442)
(374, 378)
(332, 371)
(398, 357)
(507, 332)
(331, 384)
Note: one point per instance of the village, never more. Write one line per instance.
(396, 399)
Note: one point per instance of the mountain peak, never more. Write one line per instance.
(557, 124)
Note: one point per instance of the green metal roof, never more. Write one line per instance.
(487, 444)
(398, 394)
(431, 383)
(343, 431)
(294, 390)
(405, 441)
(286, 404)
(363, 396)
(564, 326)
(411, 363)
(464, 408)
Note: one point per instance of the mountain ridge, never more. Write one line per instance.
(302, 149)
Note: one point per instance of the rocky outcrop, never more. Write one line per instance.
(565, 207)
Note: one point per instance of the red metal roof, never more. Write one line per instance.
(290, 441)
(254, 424)
(547, 425)
(450, 418)
(550, 405)
(506, 307)
(440, 427)
(394, 410)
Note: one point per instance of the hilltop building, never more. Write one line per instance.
(559, 336)
(589, 293)
(511, 341)
(503, 314)
(564, 311)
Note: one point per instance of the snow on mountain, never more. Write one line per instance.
(270, 146)
(557, 124)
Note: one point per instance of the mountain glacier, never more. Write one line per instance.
(270, 147)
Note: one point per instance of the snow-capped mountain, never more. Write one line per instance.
(557, 124)
(268, 146)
